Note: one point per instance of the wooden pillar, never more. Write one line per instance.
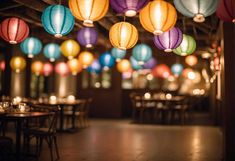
(228, 92)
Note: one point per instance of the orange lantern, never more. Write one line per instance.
(85, 58)
(123, 65)
(17, 63)
(161, 71)
(158, 16)
(75, 66)
(89, 10)
(70, 48)
(191, 60)
(37, 67)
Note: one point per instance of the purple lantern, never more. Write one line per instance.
(151, 63)
(87, 37)
(169, 40)
(129, 7)
(226, 10)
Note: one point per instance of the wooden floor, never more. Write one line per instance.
(119, 140)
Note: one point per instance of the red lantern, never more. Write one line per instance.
(47, 69)
(186, 71)
(62, 68)
(161, 71)
(2, 65)
(226, 10)
(14, 30)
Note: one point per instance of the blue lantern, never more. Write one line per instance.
(52, 51)
(57, 20)
(118, 54)
(31, 46)
(134, 64)
(142, 53)
(177, 69)
(107, 60)
(95, 67)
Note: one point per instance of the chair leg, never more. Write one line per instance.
(56, 147)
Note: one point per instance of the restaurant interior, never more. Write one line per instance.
(120, 80)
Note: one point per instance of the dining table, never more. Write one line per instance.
(62, 105)
(19, 118)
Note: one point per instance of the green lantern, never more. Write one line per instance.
(187, 46)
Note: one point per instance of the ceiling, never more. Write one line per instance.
(31, 10)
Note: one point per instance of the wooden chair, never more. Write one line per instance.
(43, 129)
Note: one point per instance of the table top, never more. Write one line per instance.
(71, 103)
(25, 115)
(174, 98)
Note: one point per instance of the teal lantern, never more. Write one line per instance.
(31, 46)
(142, 53)
(176, 69)
(57, 20)
(134, 64)
(52, 51)
(106, 60)
(187, 46)
(118, 54)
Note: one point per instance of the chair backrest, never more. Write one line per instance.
(49, 122)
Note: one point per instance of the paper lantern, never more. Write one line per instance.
(226, 10)
(169, 40)
(134, 64)
(2, 65)
(186, 71)
(161, 71)
(177, 69)
(37, 67)
(57, 20)
(52, 51)
(70, 48)
(86, 58)
(191, 60)
(14, 30)
(75, 66)
(123, 35)
(187, 46)
(106, 60)
(151, 63)
(62, 68)
(124, 65)
(95, 67)
(31, 46)
(158, 16)
(128, 7)
(17, 63)
(87, 37)
(142, 53)
(198, 9)
(47, 69)
(89, 10)
(118, 54)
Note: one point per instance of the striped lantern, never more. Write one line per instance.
(14, 30)
(168, 40)
(187, 46)
(52, 51)
(118, 54)
(142, 53)
(31, 46)
(226, 10)
(87, 37)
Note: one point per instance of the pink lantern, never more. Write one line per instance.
(161, 71)
(47, 69)
(2, 65)
(14, 30)
(62, 68)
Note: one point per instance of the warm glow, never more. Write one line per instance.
(75, 66)
(61, 68)
(17, 63)
(37, 67)
(47, 69)
(158, 16)
(147, 95)
(123, 66)
(70, 48)
(123, 35)
(86, 58)
(89, 10)
(191, 60)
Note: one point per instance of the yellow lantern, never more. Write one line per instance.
(85, 58)
(158, 16)
(17, 63)
(191, 60)
(75, 66)
(37, 67)
(89, 10)
(123, 35)
(123, 66)
(70, 48)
